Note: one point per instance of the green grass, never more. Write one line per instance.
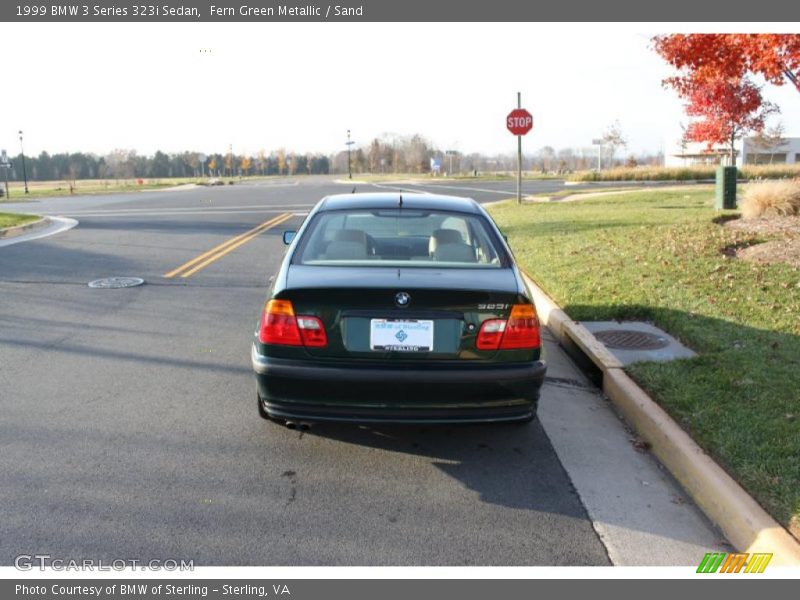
(656, 256)
(12, 219)
(82, 187)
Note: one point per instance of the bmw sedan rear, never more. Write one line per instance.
(398, 308)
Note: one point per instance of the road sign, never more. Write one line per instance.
(3, 156)
(519, 121)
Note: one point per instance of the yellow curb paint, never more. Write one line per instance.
(252, 232)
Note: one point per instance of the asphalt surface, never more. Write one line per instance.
(129, 425)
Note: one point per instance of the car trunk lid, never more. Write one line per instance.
(379, 314)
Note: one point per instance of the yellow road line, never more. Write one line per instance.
(206, 258)
(233, 247)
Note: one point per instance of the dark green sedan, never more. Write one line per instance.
(398, 308)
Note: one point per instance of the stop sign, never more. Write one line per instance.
(519, 121)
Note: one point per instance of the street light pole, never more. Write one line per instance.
(349, 168)
(24, 171)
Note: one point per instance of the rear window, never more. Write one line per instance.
(400, 237)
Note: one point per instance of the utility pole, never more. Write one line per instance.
(349, 145)
(24, 171)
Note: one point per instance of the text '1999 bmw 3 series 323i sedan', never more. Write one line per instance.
(402, 309)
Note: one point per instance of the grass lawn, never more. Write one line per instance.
(656, 256)
(11, 219)
(50, 189)
(82, 187)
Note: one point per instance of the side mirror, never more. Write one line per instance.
(505, 237)
(288, 236)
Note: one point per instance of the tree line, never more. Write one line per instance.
(128, 164)
(387, 153)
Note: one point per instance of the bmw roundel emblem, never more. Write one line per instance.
(402, 299)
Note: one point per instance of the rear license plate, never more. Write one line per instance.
(401, 335)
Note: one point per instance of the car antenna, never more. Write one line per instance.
(354, 191)
(401, 201)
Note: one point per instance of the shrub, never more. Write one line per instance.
(771, 198)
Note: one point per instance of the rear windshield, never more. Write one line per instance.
(400, 237)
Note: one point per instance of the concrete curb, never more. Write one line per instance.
(746, 525)
(12, 232)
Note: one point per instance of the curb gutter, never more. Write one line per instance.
(746, 525)
(12, 232)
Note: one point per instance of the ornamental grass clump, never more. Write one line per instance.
(771, 199)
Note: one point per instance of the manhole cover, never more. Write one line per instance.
(116, 282)
(629, 339)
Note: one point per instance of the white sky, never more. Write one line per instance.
(95, 87)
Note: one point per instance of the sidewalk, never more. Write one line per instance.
(639, 512)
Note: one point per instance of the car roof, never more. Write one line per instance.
(411, 200)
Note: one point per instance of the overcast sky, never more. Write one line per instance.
(203, 86)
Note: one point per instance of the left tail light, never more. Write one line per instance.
(280, 326)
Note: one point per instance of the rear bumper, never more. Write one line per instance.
(434, 393)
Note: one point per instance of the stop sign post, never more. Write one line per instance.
(519, 122)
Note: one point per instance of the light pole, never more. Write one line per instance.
(24, 171)
(349, 145)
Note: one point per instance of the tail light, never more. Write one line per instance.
(520, 331)
(312, 332)
(280, 326)
(490, 334)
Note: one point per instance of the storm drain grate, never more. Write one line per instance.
(110, 283)
(629, 339)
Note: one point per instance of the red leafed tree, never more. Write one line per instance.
(726, 109)
(713, 79)
(706, 57)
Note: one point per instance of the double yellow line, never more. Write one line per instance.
(188, 269)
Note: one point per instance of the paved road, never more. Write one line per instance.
(129, 424)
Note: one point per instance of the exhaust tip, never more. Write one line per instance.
(290, 425)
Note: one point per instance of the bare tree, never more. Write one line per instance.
(770, 139)
(613, 139)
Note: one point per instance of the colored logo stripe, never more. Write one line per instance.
(734, 562)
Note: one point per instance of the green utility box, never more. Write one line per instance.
(726, 188)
